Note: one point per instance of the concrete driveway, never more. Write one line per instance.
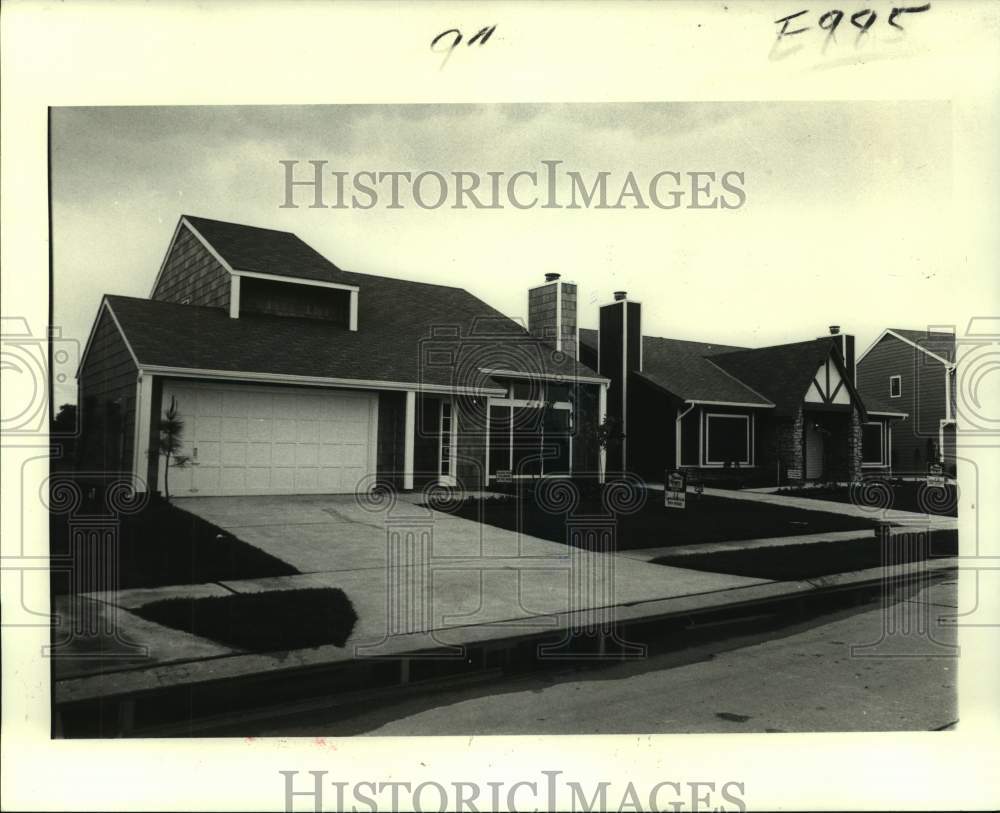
(408, 569)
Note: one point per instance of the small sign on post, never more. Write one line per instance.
(935, 475)
(675, 492)
(505, 476)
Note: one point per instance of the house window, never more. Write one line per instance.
(873, 444)
(531, 437)
(895, 386)
(728, 440)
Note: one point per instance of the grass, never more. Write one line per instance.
(705, 519)
(809, 561)
(261, 622)
(905, 495)
(163, 545)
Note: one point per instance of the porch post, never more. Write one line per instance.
(409, 430)
(143, 417)
(602, 411)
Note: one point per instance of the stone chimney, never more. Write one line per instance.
(552, 313)
(845, 344)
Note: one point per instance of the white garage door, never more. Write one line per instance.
(271, 440)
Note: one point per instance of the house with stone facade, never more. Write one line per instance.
(748, 416)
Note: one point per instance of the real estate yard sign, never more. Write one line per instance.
(675, 493)
(935, 475)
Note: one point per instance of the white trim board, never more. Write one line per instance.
(567, 378)
(894, 334)
(316, 381)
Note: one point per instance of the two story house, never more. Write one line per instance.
(915, 371)
(294, 376)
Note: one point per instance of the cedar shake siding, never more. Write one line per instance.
(192, 276)
(915, 439)
(107, 386)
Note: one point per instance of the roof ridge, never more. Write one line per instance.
(739, 381)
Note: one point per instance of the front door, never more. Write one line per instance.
(814, 452)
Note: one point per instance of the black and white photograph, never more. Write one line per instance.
(371, 422)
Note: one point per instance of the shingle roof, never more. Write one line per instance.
(780, 373)
(687, 370)
(394, 342)
(267, 251)
(937, 342)
(683, 369)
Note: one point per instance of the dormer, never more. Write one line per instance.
(248, 270)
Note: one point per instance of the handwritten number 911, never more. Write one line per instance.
(447, 41)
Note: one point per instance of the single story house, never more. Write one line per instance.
(765, 416)
(294, 376)
(914, 370)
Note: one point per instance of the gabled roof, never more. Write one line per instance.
(266, 251)
(394, 345)
(937, 344)
(781, 373)
(689, 371)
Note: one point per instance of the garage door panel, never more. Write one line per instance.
(284, 430)
(234, 454)
(260, 440)
(209, 453)
(307, 432)
(259, 454)
(260, 429)
(258, 479)
(283, 454)
(306, 455)
(234, 480)
(207, 428)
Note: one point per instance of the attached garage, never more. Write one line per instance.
(244, 439)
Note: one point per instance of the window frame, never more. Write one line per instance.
(881, 464)
(898, 380)
(511, 403)
(750, 423)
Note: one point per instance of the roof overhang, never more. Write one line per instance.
(584, 379)
(742, 405)
(317, 381)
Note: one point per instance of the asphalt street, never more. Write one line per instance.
(872, 668)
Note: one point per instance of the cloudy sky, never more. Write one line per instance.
(846, 219)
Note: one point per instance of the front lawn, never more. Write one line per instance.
(705, 519)
(809, 561)
(261, 622)
(904, 495)
(163, 545)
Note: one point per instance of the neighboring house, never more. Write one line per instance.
(915, 372)
(293, 376)
(765, 416)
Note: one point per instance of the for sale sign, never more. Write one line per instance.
(675, 493)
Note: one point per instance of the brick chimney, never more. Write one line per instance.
(552, 313)
(619, 353)
(845, 344)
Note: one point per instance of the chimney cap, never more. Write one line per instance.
(834, 330)
(552, 276)
(620, 295)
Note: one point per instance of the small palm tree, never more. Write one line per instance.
(171, 442)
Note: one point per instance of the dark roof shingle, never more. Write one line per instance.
(267, 251)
